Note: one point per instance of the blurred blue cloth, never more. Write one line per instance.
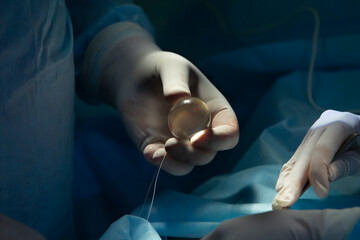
(36, 115)
(37, 90)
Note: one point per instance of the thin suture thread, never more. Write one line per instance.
(154, 180)
(155, 184)
(312, 64)
(147, 195)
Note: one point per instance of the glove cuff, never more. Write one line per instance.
(99, 48)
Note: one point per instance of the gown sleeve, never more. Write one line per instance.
(89, 18)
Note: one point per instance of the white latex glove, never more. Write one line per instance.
(142, 82)
(289, 224)
(313, 160)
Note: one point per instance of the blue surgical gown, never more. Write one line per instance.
(37, 89)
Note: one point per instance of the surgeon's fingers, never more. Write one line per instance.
(292, 188)
(296, 179)
(288, 167)
(183, 151)
(348, 164)
(169, 164)
(321, 156)
(284, 173)
(155, 153)
(223, 133)
(174, 73)
(150, 150)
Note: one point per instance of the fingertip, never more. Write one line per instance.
(226, 125)
(150, 150)
(199, 137)
(171, 142)
(278, 205)
(219, 138)
(322, 193)
(170, 165)
(275, 205)
(333, 173)
(321, 188)
(158, 156)
(228, 133)
(174, 147)
(284, 199)
(319, 179)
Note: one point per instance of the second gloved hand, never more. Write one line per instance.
(142, 82)
(313, 160)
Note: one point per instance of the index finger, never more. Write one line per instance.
(323, 154)
(295, 178)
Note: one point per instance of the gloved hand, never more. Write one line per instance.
(313, 160)
(142, 82)
(289, 224)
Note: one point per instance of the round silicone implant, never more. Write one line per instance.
(188, 116)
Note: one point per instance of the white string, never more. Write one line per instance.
(155, 184)
(312, 61)
(312, 64)
(155, 177)
(222, 24)
(147, 195)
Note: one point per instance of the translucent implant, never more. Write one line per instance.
(188, 116)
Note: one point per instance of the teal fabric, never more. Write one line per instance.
(130, 228)
(36, 115)
(37, 91)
